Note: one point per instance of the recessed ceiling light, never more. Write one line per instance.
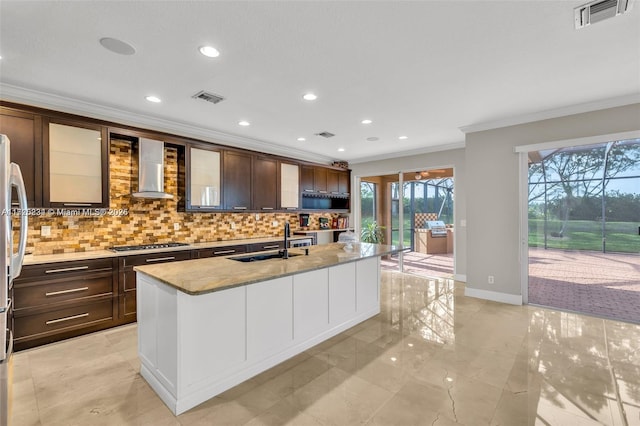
(209, 51)
(301, 139)
(153, 99)
(117, 46)
(340, 149)
(366, 121)
(403, 138)
(244, 123)
(309, 97)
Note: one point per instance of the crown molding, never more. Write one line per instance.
(60, 103)
(409, 153)
(553, 113)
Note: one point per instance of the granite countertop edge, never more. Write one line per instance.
(341, 257)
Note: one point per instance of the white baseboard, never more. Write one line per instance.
(460, 277)
(512, 299)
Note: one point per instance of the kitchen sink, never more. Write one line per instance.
(256, 257)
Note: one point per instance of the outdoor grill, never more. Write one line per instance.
(437, 228)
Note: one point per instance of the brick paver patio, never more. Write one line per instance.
(601, 284)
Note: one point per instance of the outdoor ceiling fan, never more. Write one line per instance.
(429, 173)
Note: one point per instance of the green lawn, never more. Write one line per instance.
(586, 235)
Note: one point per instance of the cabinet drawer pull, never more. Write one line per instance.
(15, 203)
(73, 268)
(335, 192)
(73, 290)
(159, 259)
(308, 190)
(291, 208)
(224, 252)
(239, 208)
(77, 204)
(322, 192)
(72, 317)
(267, 208)
(271, 247)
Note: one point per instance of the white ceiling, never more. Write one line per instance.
(420, 68)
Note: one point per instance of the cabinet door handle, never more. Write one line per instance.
(15, 203)
(335, 192)
(239, 208)
(74, 268)
(73, 290)
(77, 204)
(224, 252)
(72, 317)
(160, 259)
(267, 208)
(291, 208)
(322, 192)
(271, 247)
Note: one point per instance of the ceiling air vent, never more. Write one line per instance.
(599, 10)
(209, 97)
(325, 134)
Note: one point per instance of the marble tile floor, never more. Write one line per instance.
(431, 357)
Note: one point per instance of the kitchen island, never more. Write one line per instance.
(206, 325)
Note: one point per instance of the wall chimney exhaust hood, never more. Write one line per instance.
(151, 170)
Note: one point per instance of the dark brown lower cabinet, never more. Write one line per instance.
(56, 301)
(127, 279)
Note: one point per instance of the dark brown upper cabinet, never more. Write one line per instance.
(306, 178)
(343, 182)
(320, 179)
(333, 184)
(236, 180)
(203, 178)
(24, 131)
(75, 164)
(265, 183)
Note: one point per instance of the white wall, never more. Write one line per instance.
(450, 158)
(492, 192)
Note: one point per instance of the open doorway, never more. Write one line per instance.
(583, 217)
(415, 210)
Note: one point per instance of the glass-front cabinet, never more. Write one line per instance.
(76, 161)
(204, 179)
(289, 186)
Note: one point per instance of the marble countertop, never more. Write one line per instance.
(32, 259)
(200, 276)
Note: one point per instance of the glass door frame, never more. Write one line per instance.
(523, 182)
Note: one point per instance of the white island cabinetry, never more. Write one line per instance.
(195, 346)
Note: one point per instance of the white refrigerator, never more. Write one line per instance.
(10, 265)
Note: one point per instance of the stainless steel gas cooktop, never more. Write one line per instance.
(148, 246)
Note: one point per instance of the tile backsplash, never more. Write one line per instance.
(149, 221)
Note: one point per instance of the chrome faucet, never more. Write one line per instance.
(285, 252)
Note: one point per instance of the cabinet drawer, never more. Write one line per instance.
(221, 251)
(273, 245)
(62, 289)
(87, 314)
(67, 269)
(149, 259)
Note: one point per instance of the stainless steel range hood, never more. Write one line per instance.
(151, 170)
